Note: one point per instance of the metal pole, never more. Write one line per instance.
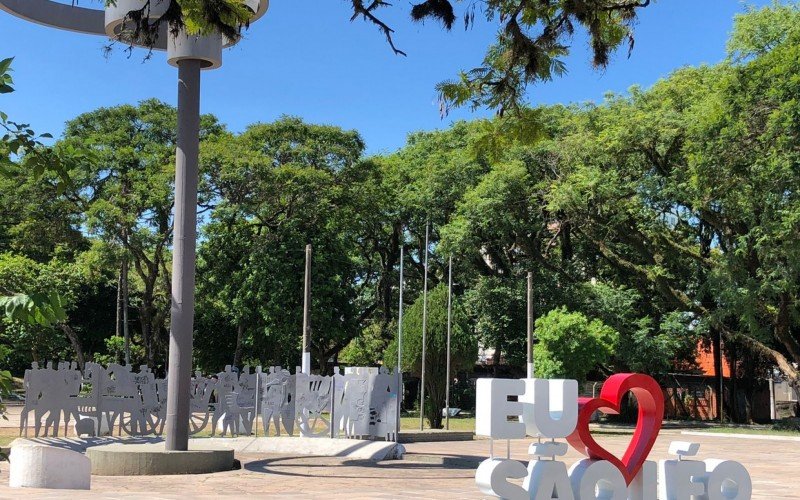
(449, 330)
(333, 403)
(721, 374)
(772, 410)
(530, 325)
(424, 330)
(258, 396)
(125, 330)
(400, 391)
(183, 258)
(306, 365)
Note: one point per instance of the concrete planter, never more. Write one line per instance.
(206, 48)
(116, 24)
(40, 466)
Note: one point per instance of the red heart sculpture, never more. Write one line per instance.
(651, 414)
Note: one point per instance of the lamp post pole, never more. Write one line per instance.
(183, 255)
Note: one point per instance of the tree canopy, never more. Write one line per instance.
(571, 346)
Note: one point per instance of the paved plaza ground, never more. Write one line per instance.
(431, 470)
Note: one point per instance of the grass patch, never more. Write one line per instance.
(750, 430)
(468, 424)
(456, 424)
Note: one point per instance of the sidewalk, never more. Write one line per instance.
(430, 470)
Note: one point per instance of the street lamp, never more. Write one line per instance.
(190, 54)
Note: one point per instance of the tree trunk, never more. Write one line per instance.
(117, 325)
(496, 357)
(76, 344)
(147, 337)
(734, 413)
(716, 348)
(788, 370)
(237, 355)
(435, 392)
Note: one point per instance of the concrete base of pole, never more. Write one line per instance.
(434, 435)
(313, 447)
(153, 459)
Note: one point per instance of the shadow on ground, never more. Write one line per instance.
(338, 468)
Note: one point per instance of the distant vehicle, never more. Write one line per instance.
(453, 412)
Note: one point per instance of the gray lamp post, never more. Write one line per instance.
(190, 54)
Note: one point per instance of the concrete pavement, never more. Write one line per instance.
(431, 470)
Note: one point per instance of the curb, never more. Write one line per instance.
(743, 436)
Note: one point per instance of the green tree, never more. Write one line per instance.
(688, 191)
(464, 348)
(498, 309)
(34, 220)
(759, 30)
(45, 316)
(651, 340)
(123, 191)
(571, 346)
(365, 350)
(278, 187)
(37, 223)
(501, 229)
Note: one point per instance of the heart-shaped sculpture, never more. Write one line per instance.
(651, 414)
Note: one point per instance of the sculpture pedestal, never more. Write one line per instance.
(152, 459)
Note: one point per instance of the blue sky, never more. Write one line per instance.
(318, 65)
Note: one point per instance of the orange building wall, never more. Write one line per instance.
(705, 361)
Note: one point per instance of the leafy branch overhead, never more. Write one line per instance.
(18, 139)
(532, 37)
(35, 309)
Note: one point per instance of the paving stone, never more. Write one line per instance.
(773, 465)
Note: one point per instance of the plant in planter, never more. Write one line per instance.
(144, 21)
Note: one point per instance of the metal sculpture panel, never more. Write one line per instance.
(366, 404)
(358, 403)
(313, 398)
